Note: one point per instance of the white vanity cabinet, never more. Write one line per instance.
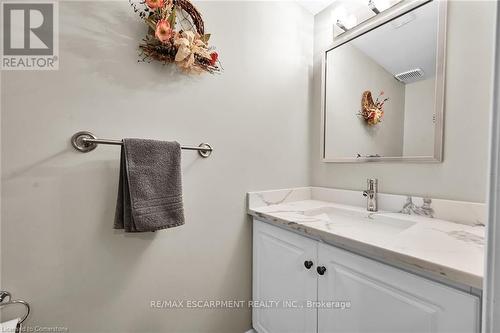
(353, 293)
(280, 274)
(386, 299)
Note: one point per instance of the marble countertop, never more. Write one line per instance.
(447, 251)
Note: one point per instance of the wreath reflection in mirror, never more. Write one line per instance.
(372, 111)
(176, 35)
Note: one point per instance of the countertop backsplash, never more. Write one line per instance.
(463, 212)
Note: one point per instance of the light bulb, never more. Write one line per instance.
(341, 15)
(382, 4)
(351, 21)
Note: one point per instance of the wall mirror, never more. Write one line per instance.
(383, 87)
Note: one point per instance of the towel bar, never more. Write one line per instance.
(85, 141)
(6, 294)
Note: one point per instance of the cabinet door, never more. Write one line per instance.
(385, 299)
(281, 281)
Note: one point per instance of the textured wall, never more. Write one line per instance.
(463, 174)
(59, 250)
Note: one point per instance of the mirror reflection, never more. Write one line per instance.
(380, 91)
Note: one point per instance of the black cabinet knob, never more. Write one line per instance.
(321, 270)
(308, 264)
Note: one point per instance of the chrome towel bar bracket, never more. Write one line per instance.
(85, 142)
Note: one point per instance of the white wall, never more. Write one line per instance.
(350, 72)
(59, 250)
(462, 175)
(419, 118)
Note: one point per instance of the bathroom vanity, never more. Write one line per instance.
(323, 263)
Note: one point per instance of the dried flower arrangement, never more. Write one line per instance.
(372, 112)
(186, 46)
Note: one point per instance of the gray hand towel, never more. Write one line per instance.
(150, 187)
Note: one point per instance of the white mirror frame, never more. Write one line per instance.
(372, 23)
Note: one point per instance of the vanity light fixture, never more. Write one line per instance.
(343, 19)
(341, 25)
(378, 6)
(372, 6)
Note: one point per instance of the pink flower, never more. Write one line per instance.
(153, 4)
(163, 31)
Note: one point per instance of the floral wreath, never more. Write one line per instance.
(186, 46)
(372, 112)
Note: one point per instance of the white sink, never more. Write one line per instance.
(358, 219)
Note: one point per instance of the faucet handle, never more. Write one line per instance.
(371, 183)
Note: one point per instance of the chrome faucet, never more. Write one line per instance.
(371, 194)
